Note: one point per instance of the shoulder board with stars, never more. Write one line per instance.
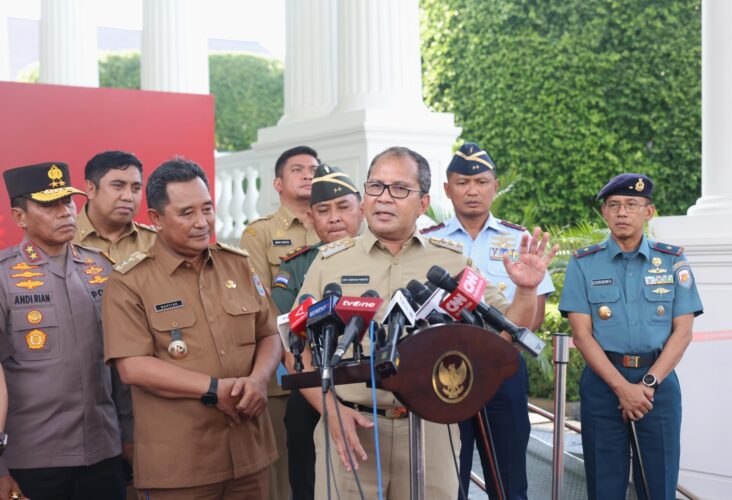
(584, 251)
(232, 249)
(455, 246)
(669, 249)
(145, 226)
(336, 247)
(432, 228)
(294, 253)
(511, 225)
(131, 262)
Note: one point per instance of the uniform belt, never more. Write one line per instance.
(391, 413)
(632, 360)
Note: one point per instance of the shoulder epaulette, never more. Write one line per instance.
(131, 262)
(232, 249)
(666, 248)
(511, 225)
(455, 246)
(6, 253)
(294, 253)
(261, 219)
(145, 226)
(336, 247)
(89, 249)
(432, 228)
(584, 251)
(250, 227)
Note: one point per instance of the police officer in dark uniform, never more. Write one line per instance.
(631, 304)
(64, 440)
(336, 212)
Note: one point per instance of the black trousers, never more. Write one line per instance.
(102, 480)
(300, 422)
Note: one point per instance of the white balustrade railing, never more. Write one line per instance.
(237, 175)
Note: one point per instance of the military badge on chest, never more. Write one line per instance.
(657, 275)
(503, 244)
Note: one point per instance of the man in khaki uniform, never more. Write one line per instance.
(389, 254)
(191, 329)
(114, 188)
(114, 192)
(63, 435)
(267, 240)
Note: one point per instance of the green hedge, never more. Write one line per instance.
(568, 93)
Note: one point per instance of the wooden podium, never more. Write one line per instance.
(446, 374)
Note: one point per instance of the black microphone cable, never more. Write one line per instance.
(463, 496)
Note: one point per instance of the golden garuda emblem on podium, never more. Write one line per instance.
(452, 377)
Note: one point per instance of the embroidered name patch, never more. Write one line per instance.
(173, 304)
(282, 243)
(34, 298)
(354, 280)
(603, 281)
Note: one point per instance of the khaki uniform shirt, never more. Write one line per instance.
(60, 410)
(220, 313)
(365, 263)
(136, 238)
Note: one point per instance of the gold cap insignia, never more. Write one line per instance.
(605, 312)
(452, 377)
(35, 339)
(640, 185)
(56, 176)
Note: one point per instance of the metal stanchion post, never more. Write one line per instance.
(417, 483)
(561, 358)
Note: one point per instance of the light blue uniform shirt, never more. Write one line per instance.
(643, 290)
(486, 251)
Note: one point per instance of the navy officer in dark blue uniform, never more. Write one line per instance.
(631, 304)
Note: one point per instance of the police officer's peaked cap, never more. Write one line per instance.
(470, 159)
(43, 182)
(329, 183)
(627, 185)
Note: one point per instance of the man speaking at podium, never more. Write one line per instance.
(389, 254)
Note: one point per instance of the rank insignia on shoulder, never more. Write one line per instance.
(336, 247)
(432, 228)
(511, 225)
(584, 251)
(232, 249)
(131, 262)
(294, 253)
(455, 246)
(666, 248)
(281, 280)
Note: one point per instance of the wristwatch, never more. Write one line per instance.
(3, 442)
(210, 398)
(650, 380)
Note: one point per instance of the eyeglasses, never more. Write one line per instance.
(632, 207)
(395, 190)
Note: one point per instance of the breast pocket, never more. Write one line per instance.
(660, 301)
(171, 323)
(241, 319)
(36, 334)
(605, 304)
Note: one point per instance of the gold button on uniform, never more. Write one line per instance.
(605, 312)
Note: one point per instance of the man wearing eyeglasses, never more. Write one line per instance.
(631, 304)
(384, 258)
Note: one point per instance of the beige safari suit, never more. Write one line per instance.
(221, 315)
(358, 265)
(267, 239)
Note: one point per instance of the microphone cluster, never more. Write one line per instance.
(336, 323)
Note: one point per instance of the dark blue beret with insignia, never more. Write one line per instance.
(471, 160)
(627, 185)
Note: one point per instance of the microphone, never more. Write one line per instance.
(463, 294)
(463, 315)
(322, 316)
(398, 314)
(356, 313)
(428, 302)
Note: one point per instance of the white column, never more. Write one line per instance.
(716, 109)
(174, 46)
(68, 54)
(310, 59)
(4, 43)
(378, 55)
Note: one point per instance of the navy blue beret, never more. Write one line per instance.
(627, 185)
(471, 160)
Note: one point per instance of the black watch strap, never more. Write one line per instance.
(210, 398)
